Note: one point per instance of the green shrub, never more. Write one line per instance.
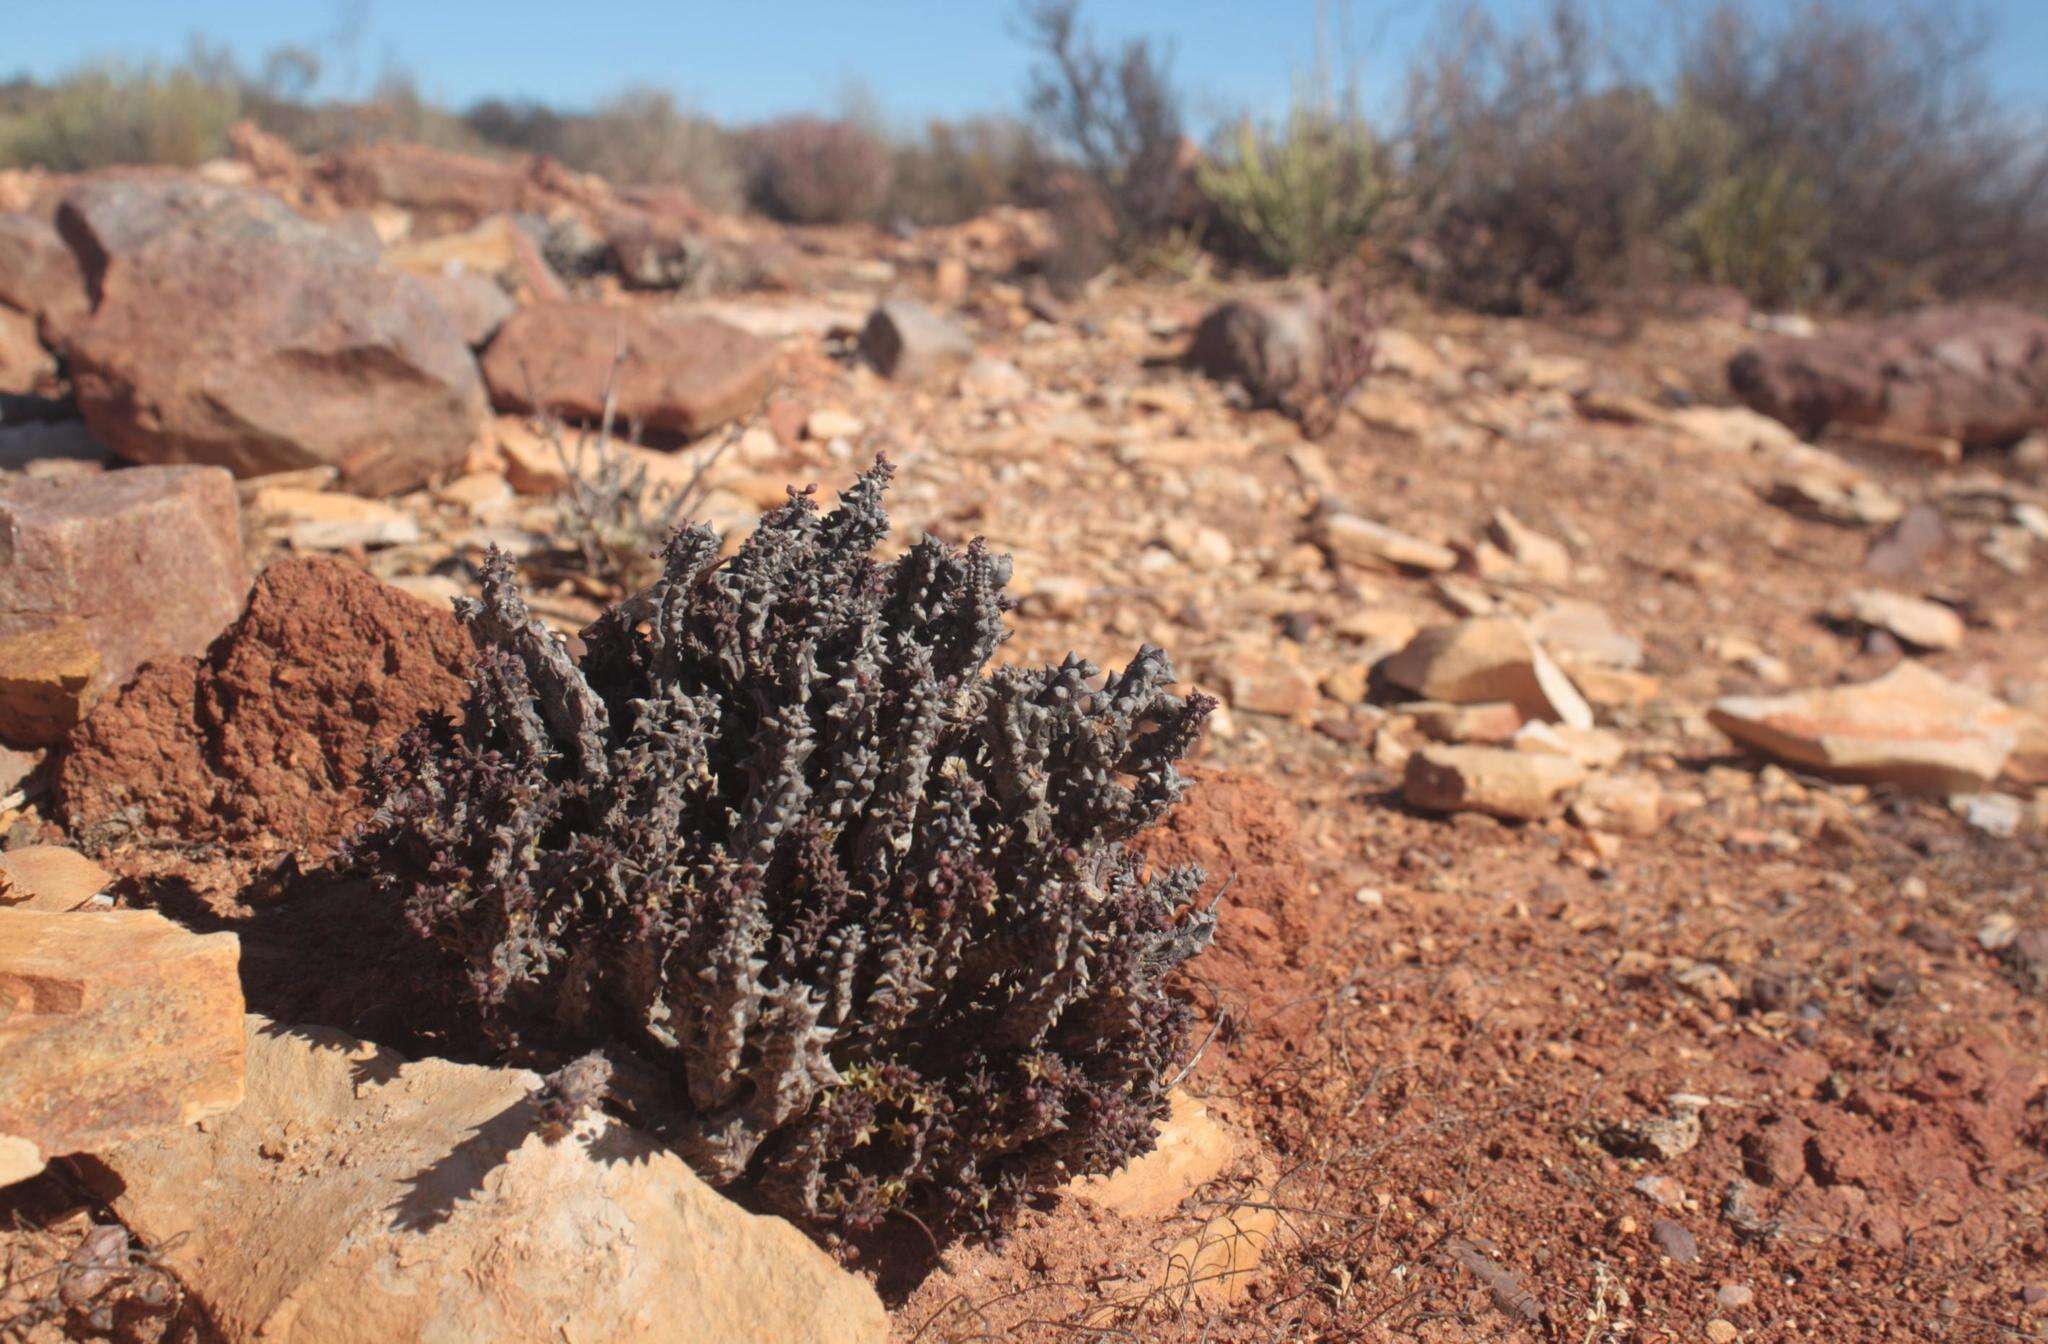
(1303, 199)
(1757, 230)
(113, 114)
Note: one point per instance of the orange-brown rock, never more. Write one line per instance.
(418, 1200)
(46, 679)
(112, 1025)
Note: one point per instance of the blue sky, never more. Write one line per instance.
(749, 61)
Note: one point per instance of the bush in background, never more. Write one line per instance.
(1304, 198)
(112, 114)
(810, 170)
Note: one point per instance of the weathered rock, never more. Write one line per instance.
(112, 1025)
(476, 305)
(1911, 727)
(49, 877)
(321, 520)
(675, 373)
(1542, 558)
(1499, 781)
(228, 330)
(1977, 373)
(444, 188)
(1911, 620)
(381, 1184)
(39, 276)
(1581, 634)
(1270, 345)
(498, 249)
(1485, 722)
(26, 368)
(1485, 659)
(1352, 540)
(268, 736)
(1623, 804)
(908, 342)
(1193, 1149)
(1846, 501)
(148, 561)
(1268, 683)
(46, 678)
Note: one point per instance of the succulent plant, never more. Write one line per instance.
(850, 918)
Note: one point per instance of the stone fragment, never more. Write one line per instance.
(1913, 621)
(1352, 540)
(1193, 1149)
(39, 276)
(1219, 1264)
(1911, 727)
(1541, 557)
(1498, 781)
(496, 249)
(673, 373)
(26, 368)
(1488, 721)
(380, 1185)
(320, 520)
(909, 343)
(476, 305)
(1831, 498)
(1486, 659)
(113, 1024)
(46, 677)
(227, 330)
(1623, 804)
(148, 561)
(1675, 1240)
(1268, 683)
(49, 877)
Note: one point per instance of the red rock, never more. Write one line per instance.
(116, 1024)
(39, 276)
(441, 186)
(269, 734)
(1977, 373)
(147, 560)
(497, 248)
(680, 374)
(230, 331)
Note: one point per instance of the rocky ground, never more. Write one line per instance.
(1585, 971)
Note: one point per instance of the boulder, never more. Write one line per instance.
(113, 1024)
(147, 561)
(1499, 781)
(227, 330)
(1270, 345)
(39, 276)
(1488, 659)
(675, 373)
(46, 679)
(419, 1200)
(1977, 373)
(1912, 728)
(443, 188)
(269, 734)
(909, 343)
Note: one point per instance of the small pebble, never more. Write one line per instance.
(1734, 1296)
(1675, 1241)
(1722, 1333)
